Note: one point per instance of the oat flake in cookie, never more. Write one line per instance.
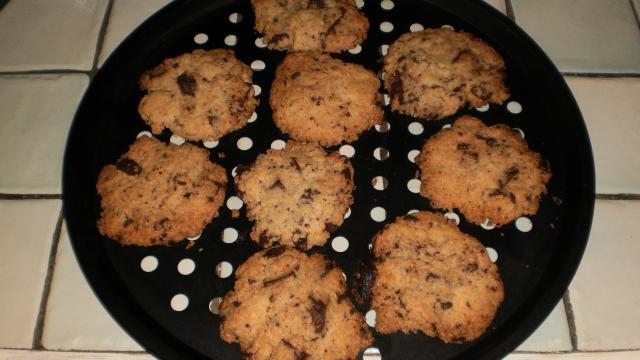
(320, 99)
(287, 305)
(302, 25)
(159, 194)
(433, 73)
(488, 172)
(201, 95)
(431, 277)
(296, 196)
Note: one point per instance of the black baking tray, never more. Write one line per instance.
(536, 266)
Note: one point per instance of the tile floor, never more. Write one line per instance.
(581, 36)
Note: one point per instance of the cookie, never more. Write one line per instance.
(201, 95)
(158, 194)
(287, 305)
(320, 99)
(433, 73)
(305, 25)
(487, 172)
(431, 277)
(296, 196)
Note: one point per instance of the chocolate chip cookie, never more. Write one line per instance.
(296, 196)
(320, 99)
(158, 194)
(201, 95)
(302, 25)
(433, 73)
(431, 277)
(287, 305)
(488, 172)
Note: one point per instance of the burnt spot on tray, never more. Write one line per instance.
(129, 167)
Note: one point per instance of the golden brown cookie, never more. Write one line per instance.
(296, 196)
(287, 305)
(304, 25)
(158, 194)
(488, 173)
(320, 99)
(433, 73)
(202, 95)
(431, 277)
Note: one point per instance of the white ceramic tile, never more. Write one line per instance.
(611, 109)
(605, 294)
(64, 355)
(25, 242)
(552, 335)
(45, 34)
(623, 355)
(37, 111)
(498, 4)
(75, 319)
(583, 35)
(126, 15)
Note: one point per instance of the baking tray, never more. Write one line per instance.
(536, 265)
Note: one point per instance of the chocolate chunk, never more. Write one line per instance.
(294, 163)
(315, 4)
(129, 167)
(330, 228)
(511, 173)
(301, 243)
(431, 275)
(411, 218)
(277, 184)
(446, 305)
(481, 92)
(186, 83)
(263, 239)
(277, 37)
(512, 197)
(491, 141)
(295, 75)
(274, 251)
(297, 354)
(236, 303)
(127, 222)
(463, 146)
(347, 173)
(317, 311)
(397, 90)
(308, 195)
(471, 267)
(267, 283)
(211, 119)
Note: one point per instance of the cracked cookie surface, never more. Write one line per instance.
(297, 196)
(158, 194)
(487, 172)
(303, 25)
(431, 277)
(288, 305)
(433, 73)
(202, 95)
(320, 99)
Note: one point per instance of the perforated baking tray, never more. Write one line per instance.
(165, 297)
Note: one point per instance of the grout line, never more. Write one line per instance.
(601, 75)
(618, 196)
(510, 12)
(100, 41)
(635, 12)
(39, 328)
(571, 320)
(30, 196)
(45, 71)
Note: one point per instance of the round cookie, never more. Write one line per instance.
(296, 196)
(320, 99)
(287, 305)
(158, 194)
(431, 277)
(304, 25)
(433, 73)
(488, 173)
(201, 95)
